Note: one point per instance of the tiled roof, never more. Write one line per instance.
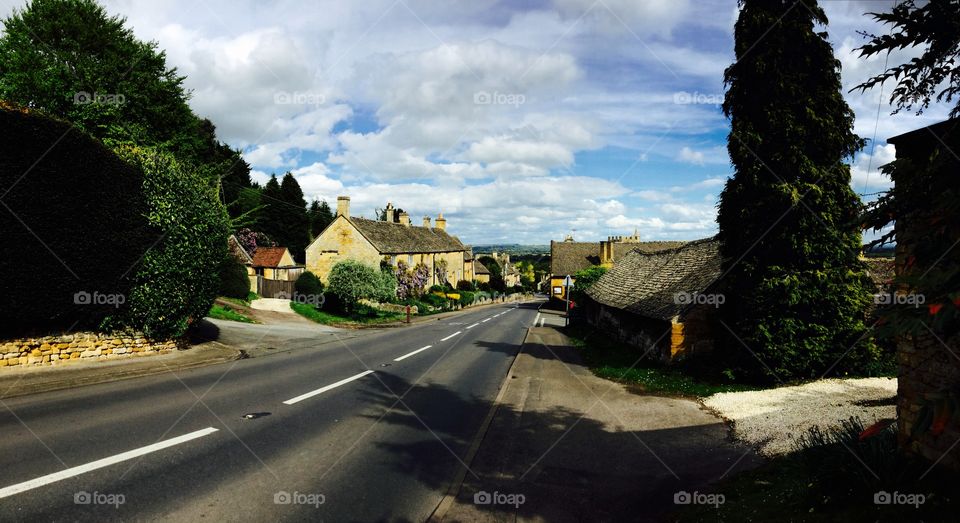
(646, 283)
(268, 256)
(396, 238)
(570, 257)
(479, 268)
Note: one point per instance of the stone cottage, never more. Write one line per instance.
(375, 241)
(660, 301)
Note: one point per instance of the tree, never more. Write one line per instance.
(70, 59)
(796, 293)
(320, 217)
(584, 279)
(352, 281)
(296, 220)
(933, 26)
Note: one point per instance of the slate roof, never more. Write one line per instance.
(646, 283)
(570, 257)
(396, 238)
(237, 250)
(268, 256)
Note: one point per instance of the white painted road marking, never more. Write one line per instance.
(486, 320)
(101, 463)
(325, 389)
(450, 336)
(472, 326)
(537, 319)
(405, 356)
(543, 321)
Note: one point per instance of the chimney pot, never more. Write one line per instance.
(389, 213)
(441, 222)
(405, 219)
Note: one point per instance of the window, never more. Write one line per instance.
(410, 260)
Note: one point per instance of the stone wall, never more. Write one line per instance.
(927, 371)
(81, 346)
(631, 329)
(339, 241)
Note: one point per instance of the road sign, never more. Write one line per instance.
(568, 281)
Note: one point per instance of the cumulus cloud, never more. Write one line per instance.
(688, 155)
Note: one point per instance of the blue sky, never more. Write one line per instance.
(521, 121)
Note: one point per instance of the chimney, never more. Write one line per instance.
(441, 222)
(405, 219)
(426, 222)
(389, 213)
(343, 206)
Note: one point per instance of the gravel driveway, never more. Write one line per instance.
(772, 419)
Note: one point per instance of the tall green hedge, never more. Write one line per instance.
(351, 281)
(178, 278)
(73, 224)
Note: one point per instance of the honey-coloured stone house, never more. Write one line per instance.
(374, 241)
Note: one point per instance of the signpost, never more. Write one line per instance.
(567, 285)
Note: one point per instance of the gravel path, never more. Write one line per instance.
(772, 419)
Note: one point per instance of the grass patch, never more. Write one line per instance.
(361, 316)
(613, 360)
(833, 476)
(244, 303)
(226, 313)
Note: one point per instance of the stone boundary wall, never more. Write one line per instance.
(80, 346)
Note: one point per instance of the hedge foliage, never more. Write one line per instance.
(234, 282)
(177, 280)
(308, 284)
(74, 221)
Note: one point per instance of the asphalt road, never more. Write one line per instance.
(382, 446)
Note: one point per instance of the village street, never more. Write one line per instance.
(386, 444)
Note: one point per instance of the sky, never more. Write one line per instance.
(521, 121)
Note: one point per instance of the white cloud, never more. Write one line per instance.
(688, 155)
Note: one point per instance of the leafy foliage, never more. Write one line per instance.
(234, 282)
(177, 279)
(411, 282)
(933, 26)
(352, 281)
(320, 217)
(250, 240)
(464, 285)
(796, 293)
(584, 279)
(308, 284)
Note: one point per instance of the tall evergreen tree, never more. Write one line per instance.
(320, 217)
(296, 219)
(270, 217)
(796, 292)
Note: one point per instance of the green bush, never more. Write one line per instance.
(308, 284)
(437, 288)
(466, 298)
(388, 286)
(177, 280)
(352, 281)
(435, 301)
(583, 280)
(73, 221)
(464, 285)
(234, 282)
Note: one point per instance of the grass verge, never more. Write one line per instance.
(226, 313)
(835, 476)
(615, 361)
(363, 316)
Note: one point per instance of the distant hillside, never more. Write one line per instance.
(513, 249)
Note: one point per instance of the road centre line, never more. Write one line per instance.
(450, 336)
(486, 320)
(321, 390)
(101, 463)
(405, 356)
(472, 326)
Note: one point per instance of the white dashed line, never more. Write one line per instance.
(325, 389)
(486, 320)
(537, 319)
(450, 336)
(101, 463)
(405, 356)
(472, 326)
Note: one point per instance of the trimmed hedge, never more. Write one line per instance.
(74, 224)
(234, 281)
(308, 284)
(352, 281)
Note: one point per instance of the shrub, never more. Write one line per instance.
(464, 285)
(435, 301)
(388, 286)
(466, 298)
(484, 286)
(234, 282)
(74, 217)
(352, 281)
(308, 284)
(177, 280)
(437, 288)
(583, 280)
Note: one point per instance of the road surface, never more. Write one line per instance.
(369, 428)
